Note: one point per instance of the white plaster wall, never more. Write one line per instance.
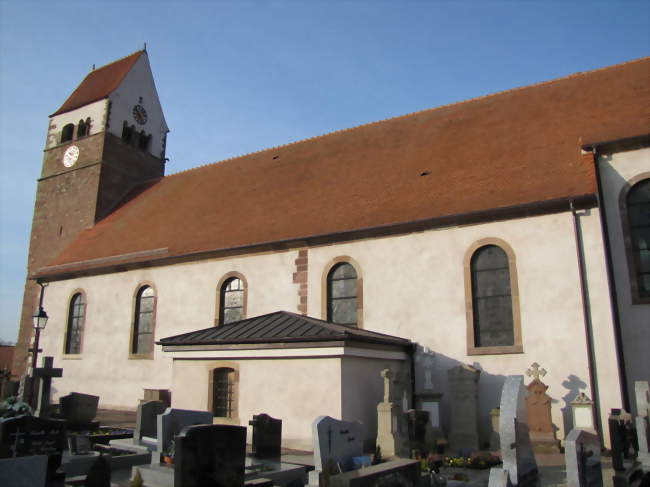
(413, 287)
(138, 83)
(186, 301)
(362, 388)
(294, 390)
(616, 171)
(96, 111)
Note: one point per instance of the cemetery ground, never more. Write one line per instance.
(75, 443)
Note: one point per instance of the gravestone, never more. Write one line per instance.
(627, 471)
(418, 430)
(582, 458)
(24, 436)
(642, 393)
(538, 404)
(79, 409)
(210, 456)
(463, 389)
(146, 421)
(516, 451)
(494, 429)
(335, 445)
(171, 422)
(391, 434)
(267, 436)
(30, 471)
(582, 412)
(44, 375)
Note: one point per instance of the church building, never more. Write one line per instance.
(496, 232)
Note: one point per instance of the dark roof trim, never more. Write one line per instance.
(505, 213)
(625, 144)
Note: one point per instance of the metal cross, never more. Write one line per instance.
(535, 372)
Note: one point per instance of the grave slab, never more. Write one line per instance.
(582, 457)
(210, 456)
(463, 390)
(28, 471)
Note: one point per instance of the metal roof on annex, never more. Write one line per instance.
(281, 327)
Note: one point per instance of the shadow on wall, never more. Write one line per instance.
(574, 386)
(490, 386)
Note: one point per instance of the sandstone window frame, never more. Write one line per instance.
(633, 265)
(472, 348)
(134, 353)
(76, 314)
(221, 289)
(83, 127)
(232, 370)
(67, 133)
(325, 288)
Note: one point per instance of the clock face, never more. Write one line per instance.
(140, 114)
(70, 156)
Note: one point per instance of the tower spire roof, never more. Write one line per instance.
(99, 83)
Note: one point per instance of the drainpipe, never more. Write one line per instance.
(586, 313)
(613, 293)
(412, 349)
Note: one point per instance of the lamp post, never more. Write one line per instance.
(39, 320)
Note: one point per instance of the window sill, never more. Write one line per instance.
(141, 356)
(495, 350)
(222, 420)
(72, 356)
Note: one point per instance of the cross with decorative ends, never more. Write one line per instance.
(535, 372)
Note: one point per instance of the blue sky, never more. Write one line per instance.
(235, 77)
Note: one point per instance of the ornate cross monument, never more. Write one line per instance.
(538, 403)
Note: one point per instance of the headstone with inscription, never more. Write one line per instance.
(210, 456)
(582, 457)
(418, 430)
(463, 389)
(28, 435)
(267, 436)
(538, 404)
(516, 452)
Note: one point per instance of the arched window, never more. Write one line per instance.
(232, 296)
(127, 132)
(81, 129)
(638, 219)
(223, 392)
(491, 298)
(67, 132)
(143, 140)
(74, 329)
(342, 294)
(144, 321)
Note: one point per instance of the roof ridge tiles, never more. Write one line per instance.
(417, 112)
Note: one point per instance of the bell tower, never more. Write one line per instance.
(106, 139)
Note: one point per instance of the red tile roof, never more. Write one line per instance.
(513, 148)
(99, 83)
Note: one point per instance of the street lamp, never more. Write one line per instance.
(39, 320)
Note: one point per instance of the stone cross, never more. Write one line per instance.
(45, 374)
(387, 375)
(535, 372)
